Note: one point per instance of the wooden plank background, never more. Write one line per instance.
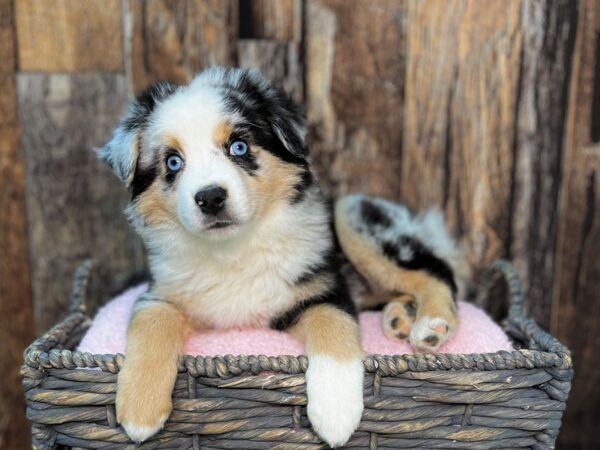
(489, 110)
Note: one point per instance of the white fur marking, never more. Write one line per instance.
(335, 397)
(139, 433)
(424, 328)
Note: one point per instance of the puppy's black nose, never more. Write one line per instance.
(211, 200)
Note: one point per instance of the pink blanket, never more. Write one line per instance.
(477, 333)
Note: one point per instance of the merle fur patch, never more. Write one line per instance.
(269, 117)
(145, 103)
(373, 215)
(421, 258)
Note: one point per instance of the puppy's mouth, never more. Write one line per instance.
(220, 224)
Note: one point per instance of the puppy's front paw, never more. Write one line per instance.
(335, 397)
(429, 333)
(141, 411)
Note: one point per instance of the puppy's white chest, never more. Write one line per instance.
(240, 294)
(223, 292)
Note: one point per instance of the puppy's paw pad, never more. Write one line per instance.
(335, 402)
(428, 333)
(397, 321)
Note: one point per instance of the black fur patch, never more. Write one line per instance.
(247, 162)
(305, 182)
(337, 296)
(270, 119)
(422, 259)
(374, 215)
(145, 104)
(142, 180)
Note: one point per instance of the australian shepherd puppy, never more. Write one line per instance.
(238, 235)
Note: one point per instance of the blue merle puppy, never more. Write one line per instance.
(239, 235)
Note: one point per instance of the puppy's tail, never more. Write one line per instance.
(384, 241)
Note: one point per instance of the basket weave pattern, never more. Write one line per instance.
(429, 401)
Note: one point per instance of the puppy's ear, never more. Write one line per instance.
(122, 151)
(289, 126)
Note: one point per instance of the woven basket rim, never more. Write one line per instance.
(43, 354)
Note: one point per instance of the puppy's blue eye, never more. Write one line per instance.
(238, 148)
(174, 163)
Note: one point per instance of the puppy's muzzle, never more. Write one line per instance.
(211, 200)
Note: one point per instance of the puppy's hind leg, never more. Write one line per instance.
(334, 379)
(436, 315)
(155, 339)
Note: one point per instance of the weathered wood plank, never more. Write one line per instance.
(462, 78)
(74, 202)
(280, 62)
(355, 90)
(277, 20)
(175, 40)
(576, 306)
(548, 37)
(8, 99)
(68, 36)
(16, 318)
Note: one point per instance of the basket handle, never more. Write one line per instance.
(80, 287)
(518, 323)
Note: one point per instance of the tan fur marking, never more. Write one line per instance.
(222, 132)
(155, 338)
(326, 330)
(276, 187)
(172, 142)
(153, 206)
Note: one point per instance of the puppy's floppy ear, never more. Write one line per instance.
(289, 125)
(122, 151)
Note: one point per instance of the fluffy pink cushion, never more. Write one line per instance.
(477, 333)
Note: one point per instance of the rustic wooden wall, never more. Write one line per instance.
(489, 110)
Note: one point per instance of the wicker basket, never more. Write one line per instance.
(429, 401)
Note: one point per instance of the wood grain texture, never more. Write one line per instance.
(548, 39)
(74, 201)
(276, 20)
(354, 91)
(576, 306)
(70, 36)
(16, 318)
(462, 78)
(174, 40)
(8, 99)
